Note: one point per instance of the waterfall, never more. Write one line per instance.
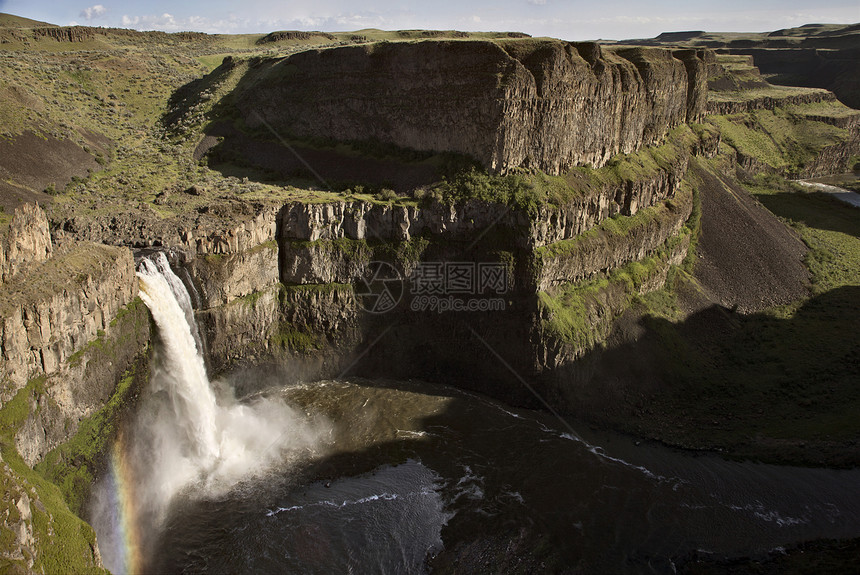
(182, 373)
(186, 438)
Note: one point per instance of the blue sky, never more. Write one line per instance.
(569, 20)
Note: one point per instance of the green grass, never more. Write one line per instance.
(292, 339)
(834, 109)
(13, 21)
(72, 466)
(529, 190)
(250, 300)
(568, 309)
(828, 226)
(771, 91)
(98, 343)
(63, 541)
(648, 161)
(778, 138)
(123, 89)
(783, 375)
(617, 228)
(15, 412)
(62, 480)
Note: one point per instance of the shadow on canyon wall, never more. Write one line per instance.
(750, 385)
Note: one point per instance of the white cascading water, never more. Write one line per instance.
(187, 437)
(181, 373)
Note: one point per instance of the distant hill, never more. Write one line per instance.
(12, 21)
(812, 55)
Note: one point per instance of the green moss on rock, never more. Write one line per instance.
(72, 466)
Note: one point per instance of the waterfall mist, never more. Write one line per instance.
(189, 439)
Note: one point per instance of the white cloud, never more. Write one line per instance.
(169, 23)
(537, 17)
(231, 23)
(96, 11)
(164, 22)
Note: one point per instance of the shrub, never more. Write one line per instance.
(386, 195)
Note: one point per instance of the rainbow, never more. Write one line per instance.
(128, 540)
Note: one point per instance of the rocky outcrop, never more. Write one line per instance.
(361, 220)
(27, 241)
(282, 35)
(61, 305)
(222, 227)
(624, 190)
(556, 346)
(324, 243)
(323, 261)
(219, 279)
(607, 248)
(315, 318)
(316, 326)
(770, 102)
(541, 104)
(827, 160)
(697, 64)
(65, 33)
(834, 159)
(240, 330)
(18, 521)
(84, 383)
(813, 55)
(65, 298)
(613, 199)
(39, 532)
(830, 67)
(742, 75)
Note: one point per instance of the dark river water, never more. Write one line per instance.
(411, 468)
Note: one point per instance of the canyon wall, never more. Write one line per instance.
(306, 312)
(277, 283)
(610, 247)
(53, 312)
(70, 326)
(542, 104)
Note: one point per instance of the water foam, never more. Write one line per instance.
(187, 439)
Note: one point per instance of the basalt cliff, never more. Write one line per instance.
(539, 104)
